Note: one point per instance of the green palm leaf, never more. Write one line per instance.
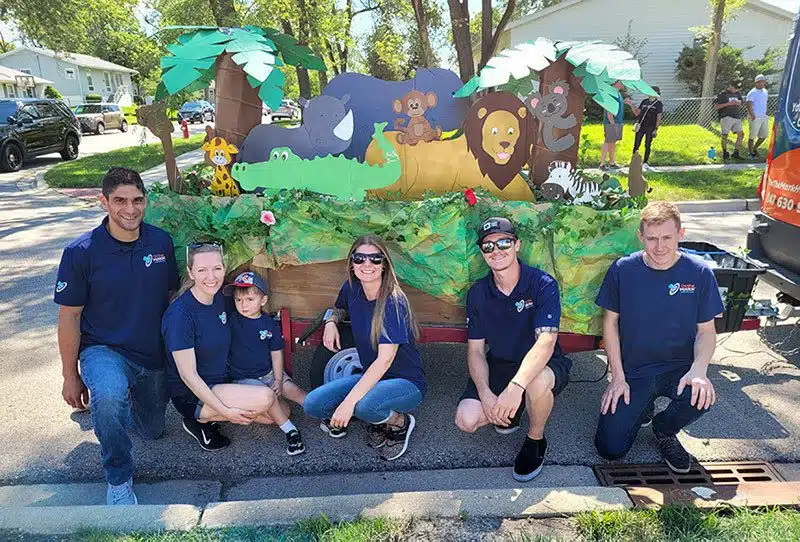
(293, 53)
(518, 62)
(271, 90)
(468, 88)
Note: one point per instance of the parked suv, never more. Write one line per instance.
(774, 238)
(198, 111)
(287, 110)
(100, 117)
(30, 127)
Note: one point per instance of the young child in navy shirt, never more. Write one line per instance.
(256, 353)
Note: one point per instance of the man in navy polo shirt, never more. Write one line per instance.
(659, 336)
(516, 311)
(113, 287)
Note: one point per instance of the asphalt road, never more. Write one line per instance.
(43, 441)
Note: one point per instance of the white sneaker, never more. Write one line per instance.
(121, 494)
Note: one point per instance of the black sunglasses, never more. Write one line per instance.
(359, 258)
(487, 247)
(197, 244)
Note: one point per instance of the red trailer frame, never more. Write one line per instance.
(432, 333)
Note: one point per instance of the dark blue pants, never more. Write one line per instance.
(616, 432)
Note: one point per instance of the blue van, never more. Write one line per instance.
(774, 237)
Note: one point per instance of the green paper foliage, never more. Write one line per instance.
(293, 53)
(432, 241)
(469, 87)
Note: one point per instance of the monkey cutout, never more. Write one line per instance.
(549, 110)
(414, 104)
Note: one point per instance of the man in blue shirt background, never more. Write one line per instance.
(113, 287)
(612, 130)
(516, 311)
(658, 328)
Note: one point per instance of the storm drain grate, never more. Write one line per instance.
(636, 475)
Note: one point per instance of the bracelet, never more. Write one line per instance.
(518, 385)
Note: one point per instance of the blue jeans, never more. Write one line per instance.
(616, 432)
(387, 396)
(121, 394)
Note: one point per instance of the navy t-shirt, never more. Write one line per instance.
(509, 323)
(252, 342)
(123, 289)
(659, 310)
(407, 362)
(191, 324)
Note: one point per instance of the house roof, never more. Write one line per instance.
(8, 75)
(78, 59)
(760, 5)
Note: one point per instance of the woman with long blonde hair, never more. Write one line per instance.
(197, 337)
(385, 332)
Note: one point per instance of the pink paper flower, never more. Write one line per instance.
(469, 194)
(267, 218)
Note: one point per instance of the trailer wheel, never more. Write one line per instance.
(327, 366)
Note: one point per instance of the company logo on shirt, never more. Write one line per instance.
(677, 287)
(150, 259)
(61, 286)
(223, 317)
(265, 334)
(523, 304)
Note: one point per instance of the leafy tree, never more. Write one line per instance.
(732, 66)
(51, 92)
(633, 45)
(387, 58)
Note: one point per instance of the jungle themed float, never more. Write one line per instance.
(419, 162)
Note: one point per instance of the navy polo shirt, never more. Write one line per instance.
(509, 323)
(407, 362)
(206, 328)
(252, 342)
(123, 289)
(659, 310)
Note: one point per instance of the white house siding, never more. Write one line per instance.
(665, 24)
(74, 91)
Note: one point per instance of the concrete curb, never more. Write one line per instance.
(61, 520)
(718, 206)
(504, 503)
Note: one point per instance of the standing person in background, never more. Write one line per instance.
(649, 115)
(757, 115)
(612, 131)
(729, 108)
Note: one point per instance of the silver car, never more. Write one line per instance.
(98, 118)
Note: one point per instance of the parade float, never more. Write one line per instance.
(419, 162)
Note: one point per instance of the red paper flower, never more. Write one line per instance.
(267, 218)
(470, 196)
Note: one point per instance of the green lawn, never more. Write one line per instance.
(698, 185)
(675, 145)
(690, 525)
(88, 172)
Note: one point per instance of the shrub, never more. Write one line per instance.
(51, 92)
(94, 98)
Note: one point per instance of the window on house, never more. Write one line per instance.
(107, 79)
(70, 73)
(119, 79)
(89, 82)
(28, 92)
(10, 91)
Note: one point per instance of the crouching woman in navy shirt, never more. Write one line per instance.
(384, 329)
(198, 338)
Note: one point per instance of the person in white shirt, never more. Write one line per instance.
(757, 114)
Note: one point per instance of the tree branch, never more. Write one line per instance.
(486, 55)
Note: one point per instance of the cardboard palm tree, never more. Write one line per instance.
(243, 63)
(566, 71)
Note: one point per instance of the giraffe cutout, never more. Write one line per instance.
(220, 153)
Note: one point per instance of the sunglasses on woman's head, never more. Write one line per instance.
(359, 258)
(198, 244)
(487, 247)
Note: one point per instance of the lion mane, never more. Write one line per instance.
(501, 108)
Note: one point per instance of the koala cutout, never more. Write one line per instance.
(549, 110)
(414, 104)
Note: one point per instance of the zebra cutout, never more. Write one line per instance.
(564, 182)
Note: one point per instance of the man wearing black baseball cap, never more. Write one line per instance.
(516, 310)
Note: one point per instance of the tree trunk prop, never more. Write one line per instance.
(238, 105)
(542, 156)
(154, 118)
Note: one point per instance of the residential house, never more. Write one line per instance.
(11, 88)
(666, 25)
(74, 75)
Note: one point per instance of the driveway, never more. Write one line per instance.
(95, 144)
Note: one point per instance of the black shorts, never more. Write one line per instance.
(501, 373)
(188, 406)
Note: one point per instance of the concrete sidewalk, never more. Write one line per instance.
(730, 166)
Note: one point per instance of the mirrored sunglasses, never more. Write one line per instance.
(487, 247)
(359, 258)
(197, 244)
